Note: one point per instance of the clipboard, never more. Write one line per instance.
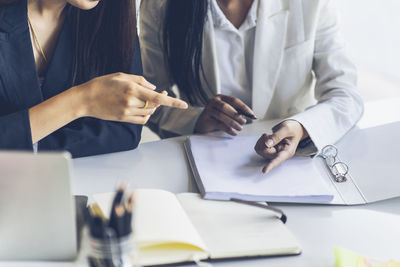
(364, 169)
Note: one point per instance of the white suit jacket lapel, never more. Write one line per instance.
(209, 58)
(270, 40)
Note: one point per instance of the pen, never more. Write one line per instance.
(281, 215)
(128, 216)
(248, 115)
(117, 211)
(97, 228)
(118, 224)
(119, 195)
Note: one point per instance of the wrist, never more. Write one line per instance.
(196, 127)
(199, 124)
(302, 132)
(79, 102)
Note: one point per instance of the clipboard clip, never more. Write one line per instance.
(338, 169)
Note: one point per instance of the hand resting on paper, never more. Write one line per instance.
(281, 145)
(222, 114)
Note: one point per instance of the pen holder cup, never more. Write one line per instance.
(111, 251)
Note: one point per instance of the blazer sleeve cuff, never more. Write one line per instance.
(316, 129)
(16, 131)
(322, 126)
(307, 148)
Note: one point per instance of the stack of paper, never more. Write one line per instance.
(230, 168)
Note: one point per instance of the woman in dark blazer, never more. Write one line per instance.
(65, 77)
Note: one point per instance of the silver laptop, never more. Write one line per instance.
(37, 209)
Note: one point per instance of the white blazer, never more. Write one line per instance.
(300, 71)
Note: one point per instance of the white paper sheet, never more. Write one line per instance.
(230, 168)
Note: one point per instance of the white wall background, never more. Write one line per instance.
(372, 31)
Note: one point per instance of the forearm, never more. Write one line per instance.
(54, 113)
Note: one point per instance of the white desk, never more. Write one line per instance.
(372, 229)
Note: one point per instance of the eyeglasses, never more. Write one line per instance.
(338, 169)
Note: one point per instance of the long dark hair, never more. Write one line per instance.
(183, 40)
(104, 38)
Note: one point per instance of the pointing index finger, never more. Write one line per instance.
(162, 99)
(280, 158)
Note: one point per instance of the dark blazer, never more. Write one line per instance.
(20, 90)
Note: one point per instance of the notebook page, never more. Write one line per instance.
(162, 230)
(230, 168)
(231, 230)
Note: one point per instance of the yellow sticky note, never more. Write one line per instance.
(347, 258)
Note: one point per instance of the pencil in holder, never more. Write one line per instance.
(110, 251)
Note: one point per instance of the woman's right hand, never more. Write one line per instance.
(122, 97)
(221, 114)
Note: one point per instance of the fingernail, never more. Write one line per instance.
(152, 86)
(254, 117)
(184, 105)
(270, 143)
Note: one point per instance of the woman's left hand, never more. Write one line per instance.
(281, 145)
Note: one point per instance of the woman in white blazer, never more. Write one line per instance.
(275, 59)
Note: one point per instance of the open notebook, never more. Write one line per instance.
(172, 228)
(226, 168)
